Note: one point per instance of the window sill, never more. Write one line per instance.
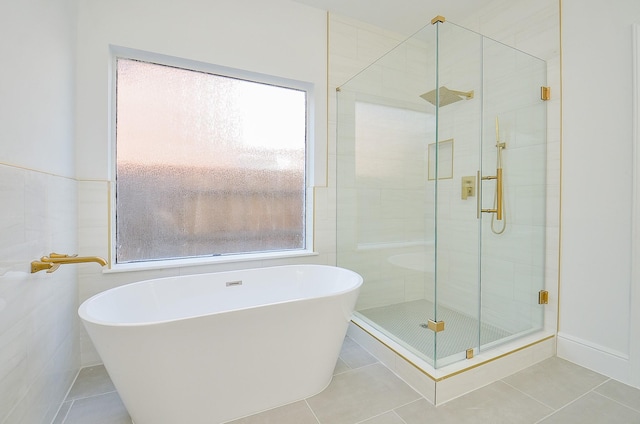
(212, 260)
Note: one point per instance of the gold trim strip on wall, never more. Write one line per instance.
(111, 254)
(328, 70)
(38, 171)
(559, 275)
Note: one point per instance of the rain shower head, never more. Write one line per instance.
(447, 96)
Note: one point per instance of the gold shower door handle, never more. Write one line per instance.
(498, 209)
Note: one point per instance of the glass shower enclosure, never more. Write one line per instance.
(441, 166)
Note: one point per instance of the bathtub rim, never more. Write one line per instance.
(87, 318)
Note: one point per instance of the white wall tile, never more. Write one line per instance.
(37, 311)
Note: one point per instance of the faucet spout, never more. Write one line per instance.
(54, 260)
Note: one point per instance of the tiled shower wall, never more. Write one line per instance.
(353, 45)
(39, 355)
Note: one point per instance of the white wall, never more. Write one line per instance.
(597, 328)
(279, 37)
(39, 354)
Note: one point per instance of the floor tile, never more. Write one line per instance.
(594, 408)
(363, 391)
(361, 394)
(354, 355)
(555, 382)
(294, 413)
(388, 418)
(62, 413)
(622, 393)
(91, 381)
(423, 412)
(341, 367)
(102, 409)
(497, 403)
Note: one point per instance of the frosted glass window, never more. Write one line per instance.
(206, 164)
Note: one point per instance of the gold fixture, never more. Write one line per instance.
(435, 326)
(468, 187)
(543, 297)
(469, 353)
(499, 192)
(545, 93)
(498, 208)
(438, 19)
(54, 260)
(446, 96)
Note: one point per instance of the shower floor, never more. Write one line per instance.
(407, 322)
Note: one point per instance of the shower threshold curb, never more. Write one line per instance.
(441, 385)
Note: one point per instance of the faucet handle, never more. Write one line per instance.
(61, 255)
(54, 267)
(37, 266)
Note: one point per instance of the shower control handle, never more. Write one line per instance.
(468, 188)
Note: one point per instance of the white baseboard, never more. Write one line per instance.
(613, 365)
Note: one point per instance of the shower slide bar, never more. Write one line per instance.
(498, 209)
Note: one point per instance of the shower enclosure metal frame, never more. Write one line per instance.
(452, 266)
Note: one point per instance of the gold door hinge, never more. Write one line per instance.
(469, 353)
(543, 297)
(435, 326)
(438, 19)
(545, 93)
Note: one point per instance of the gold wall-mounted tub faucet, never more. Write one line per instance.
(54, 260)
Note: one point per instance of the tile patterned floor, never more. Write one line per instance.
(363, 391)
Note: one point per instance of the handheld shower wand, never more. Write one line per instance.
(498, 200)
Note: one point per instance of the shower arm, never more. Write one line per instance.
(466, 94)
(498, 209)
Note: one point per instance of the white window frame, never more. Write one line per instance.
(118, 52)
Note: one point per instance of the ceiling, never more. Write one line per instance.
(403, 16)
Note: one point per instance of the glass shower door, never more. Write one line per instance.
(514, 146)
(459, 82)
(490, 193)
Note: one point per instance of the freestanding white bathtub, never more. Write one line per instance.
(209, 348)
